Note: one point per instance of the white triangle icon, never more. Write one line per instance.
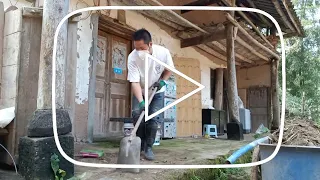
(200, 87)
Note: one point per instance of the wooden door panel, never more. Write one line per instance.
(258, 101)
(112, 88)
(101, 86)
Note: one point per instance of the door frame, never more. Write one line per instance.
(113, 27)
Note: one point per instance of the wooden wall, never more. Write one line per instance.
(189, 113)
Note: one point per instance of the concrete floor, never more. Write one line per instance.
(170, 152)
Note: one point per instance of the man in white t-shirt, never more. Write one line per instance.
(158, 75)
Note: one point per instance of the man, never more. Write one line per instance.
(157, 78)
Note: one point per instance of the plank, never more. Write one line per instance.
(216, 36)
(199, 3)
(1, 38)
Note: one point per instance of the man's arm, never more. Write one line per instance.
(134, 78)
(166, 73)
(136, 90)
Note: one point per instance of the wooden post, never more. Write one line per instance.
(231, 71)
(275, 94)
(51, 18)
(92, 81)
(1, 40)
(219, 89)
(71, 65)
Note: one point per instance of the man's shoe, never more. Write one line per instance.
(149, 154)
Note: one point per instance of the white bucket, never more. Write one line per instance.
(158, 137)
(127, 129)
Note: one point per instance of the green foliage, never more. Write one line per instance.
(59, 174)
(220, 173)
(303, 63)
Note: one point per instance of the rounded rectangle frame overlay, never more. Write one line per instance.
(205, 8)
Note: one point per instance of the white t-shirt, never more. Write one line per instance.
(136, 67)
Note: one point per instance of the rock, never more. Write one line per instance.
(41, 123)
(35, 153)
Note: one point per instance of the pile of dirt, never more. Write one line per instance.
(300, 132)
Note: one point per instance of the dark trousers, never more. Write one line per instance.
(147, 131)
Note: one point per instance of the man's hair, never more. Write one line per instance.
(142, 34)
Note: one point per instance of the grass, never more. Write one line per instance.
(218, 174)
(109, 144)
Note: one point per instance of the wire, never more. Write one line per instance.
(11, 158)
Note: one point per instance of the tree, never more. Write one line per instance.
(303, 62)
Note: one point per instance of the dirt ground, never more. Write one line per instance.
(170, 152)
(299, 131)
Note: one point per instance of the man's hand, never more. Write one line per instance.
(159, 84)
(141, 106)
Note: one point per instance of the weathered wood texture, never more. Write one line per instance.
(282, 15)
(1, 42)
(293, 20)
(10, 71)
(232, 79)
(28, 75)
(189, 116)
(71, 65)
(254, 41)
(259, 105)
(275, 94)
(92, 82)
(50, 21)
(242, 14)
(219, 35)
(219, 89)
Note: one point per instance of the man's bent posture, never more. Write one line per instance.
(136, 75)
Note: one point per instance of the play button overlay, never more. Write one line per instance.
(172, 69)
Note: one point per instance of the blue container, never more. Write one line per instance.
(291, 162)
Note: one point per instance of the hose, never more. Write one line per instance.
(245, 149)
(11, 158)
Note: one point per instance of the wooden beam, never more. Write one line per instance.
(251, 24)
(255, 28)
(282, 15)
(214, 53)
(34, 12)
(219, 89)
(275, 94)
(199, 3)
(251, 49)
(243, 31)
(291, 16)
(223, 48)
(216, 36)
(265, 20)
